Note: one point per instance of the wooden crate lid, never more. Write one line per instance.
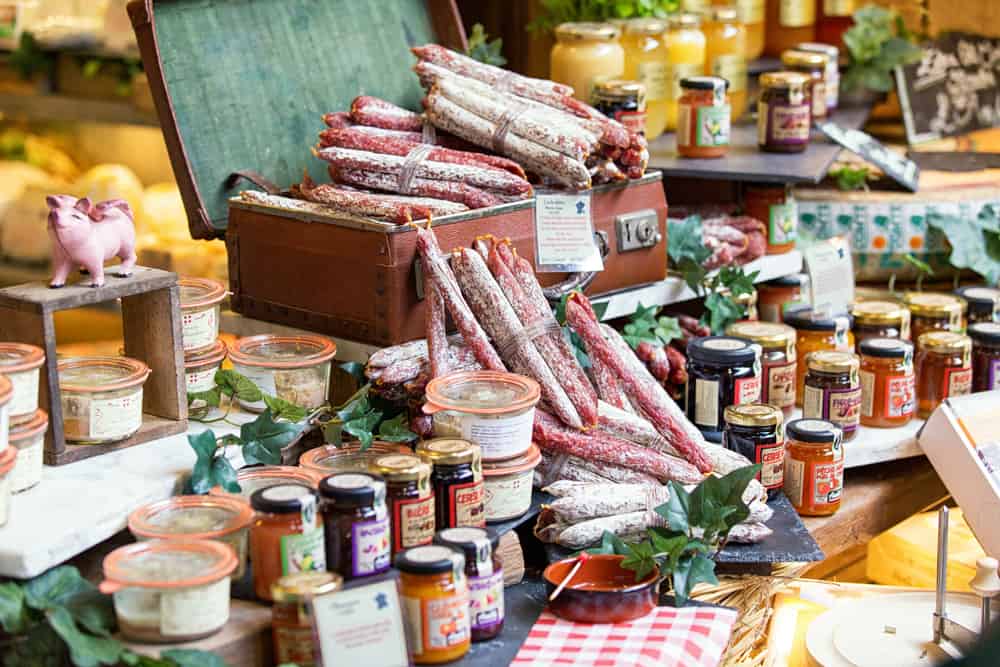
(241, 86)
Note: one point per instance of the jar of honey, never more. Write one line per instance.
(835, 18)
(725, 56)
(775, 206)
(933, 311)
(985, 356)
(812, 65)
(778, 360)
(778, 296)
(291, 620)
(751, 15)
(703, 118)
(625, 101)
(788, 23)
(286, 536)
(584, 54)
(817, 331)
(832, 390)
(686, 54)
(756, 431)
(784, 112)
(409, 498)
(984, 303)
(646, 61)
(879, 319)
(814, 466)
(888, 384)
(457, 479)
(944, 369)
(832, 73)
(435, 595)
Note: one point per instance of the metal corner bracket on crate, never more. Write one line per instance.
(151, 322)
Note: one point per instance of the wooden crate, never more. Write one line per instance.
(151, 322)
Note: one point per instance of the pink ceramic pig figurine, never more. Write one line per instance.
(87, 235)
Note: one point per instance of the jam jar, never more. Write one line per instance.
(291, 619)
(409, 498)
(778, 296)
(931, 311)
(778, 360)
(783, 112)
(831, 75)
(817, 331)
(435, 596)
(356, 525)
(814, 466)
(703, 117)
(722, 371)
(484, 572)
(756, 431)
(28, 438)
(584, 54)
(833, 390)
(623, 100)
(812, 65)
(879, 319)
(775, 206)
(984, 303)
(985, 355)
(457, 478)
(286, 536)
(888, 384)
(944, 369)
(751, 15)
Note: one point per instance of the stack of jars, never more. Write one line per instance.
(204, 353)
(22, 423)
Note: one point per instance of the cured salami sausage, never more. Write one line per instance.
(468, 195)
(367, 110)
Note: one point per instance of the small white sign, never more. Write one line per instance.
(831, 275)
(362, 625)
(564, 233)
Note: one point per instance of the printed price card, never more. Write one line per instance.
(564, 233)
(831, 274)
(362, 625)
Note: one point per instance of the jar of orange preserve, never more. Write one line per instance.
(703, 117)
(435, 594)
(814, 466)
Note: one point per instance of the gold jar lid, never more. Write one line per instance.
(934, 304)
(879, 312)
(619, 89)
(783, 80)
(645, 26)
(768, 335)
(753, 414)
(830, 361)
(795, 58)
(604, 32)
(944, 341)
(724, 14)
(400, 468)
(686, 20)
(301, 585)
(448, 451)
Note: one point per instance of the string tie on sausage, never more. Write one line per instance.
(516, 341)
(507, 118)
(408, 171)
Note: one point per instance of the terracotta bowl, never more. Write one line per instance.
(601, 592)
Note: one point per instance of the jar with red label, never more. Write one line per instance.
(934, 311)
(703, 117)
(814, 466)
(879, 319)
(775, 206)
(812, 65)
(409, 498)
(985, 355)
(457, 479)
(778, 360)
(888, 384)
(625, 101)
(777, 297)
(722, 371)
(756, 432)
(291, 621)
(784, 113)
(816, 330)
(833, 390)
(944, 369)
(484, 572)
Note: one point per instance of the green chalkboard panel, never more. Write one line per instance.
(249, 80)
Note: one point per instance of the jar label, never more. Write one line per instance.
(783, 222)
(634, 121)
(867, 393)
(746, 390)
(199, 328)
(838, 7)
(28, 466)
(957, 382)
(785, 124)
(994, 381)
(499, 437)
(733, 68)
(712, 125)
(818, 99)
(771, 458)
(508, 496)
(796, 13)
(679, 71)
(25, 398)
(202, 380)
(194, 610)
(840, 406)
(115, 417)
(370, 547)
(303, 552)
(900, 395)
(437, 624)
(412, 522)
(706, 403)
(294, 645)
(780, 389)
(655, 75)
(486, 601)
(467, 507)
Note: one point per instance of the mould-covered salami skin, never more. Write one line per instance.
(437, 337)
(468, 195)
(562, 467)
(367, 110)
(324, 198)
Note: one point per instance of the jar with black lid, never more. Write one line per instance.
(778, 360)
(817, 330)
(623, 100)
(484, 572)
(879, 319)
(356, 525)
(756, 431)
(409, 499)
(934, 311)
(984, 303)
(814, 466)
(722, 371)
(457, 479)
(833, 390)
(985, 356)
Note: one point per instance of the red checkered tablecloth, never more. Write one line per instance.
(687, 637)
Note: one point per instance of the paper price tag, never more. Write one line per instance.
(564, 233)
(362, 624)
(831, 275)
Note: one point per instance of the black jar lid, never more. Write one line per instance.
(283, 498)
(805, 318)
(430, 559)
(812, 430)
(352, 489)
(723, 350)
(886, 348)
(477, 544)
(980, 296)
(985, 332)
(791, 280)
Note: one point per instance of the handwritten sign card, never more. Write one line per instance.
(362, 625)
(564, 233)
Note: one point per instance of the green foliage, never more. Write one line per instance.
(877, 43)
(723, 288)
(975, 243)
(687, 251)
(698, 524)
(850, 178)
(28, 59)
(483, 50)
(236, 388)
(644, 326)
(555, 12)
(364, 421)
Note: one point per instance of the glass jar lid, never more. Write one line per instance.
(300, 586)
(831, 361)
(199, 293)
(723, 350)
(886, 348)
(646, 26)
(980, 332)
(353, 489)
(184, 563)
(330, 459)
(828, 50)
(430, 559)
(194, 517)
(604, 32)
(481, 393)
(716, 84)
(211, 357)
(793, 280)
(93, 374)
(30, 429)
(769, 335)
(448, 451)
(283, 498)
(809, 320)
(984, 297)
(401, 468)
(262, 477)
(813, 430)
(934, 304)
(512, 466)
(944, 341)
(783, 80)
(753, 414)
(795, 58)
(879, 312)
(619, 89)
(271, 351)
(476, 544)
(686, 20)
(18, 357)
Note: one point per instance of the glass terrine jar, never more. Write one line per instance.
(169, 590)
(101, 398)
(492, 409)
(262, 477)
(8, 459)
(28, 437)
(330, 459)
(508, 485)
(225, 520)
(293, 368)
(200, 299)
(200, 368)
(21, 363)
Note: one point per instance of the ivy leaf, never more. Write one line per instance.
(238, 386)
(282, 409)
(205, 447)
(55, 588)
(850, 178)
(356, 406)
(396, 429)
(668, 543)
(692, 570)
(85, 650)
(918, 264)
(668, 329)
(361, 428)
(264, 438)
(483, 50)
(973, 242)
(721, 311)
(610, 544)
(224, 475)
(687, 250)
(212, 397)
(333, 432)
(675, 510)
(13, 614)
(355, 370)
(187, 657)
(711, 499)
(640, 559)
(94, 611)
